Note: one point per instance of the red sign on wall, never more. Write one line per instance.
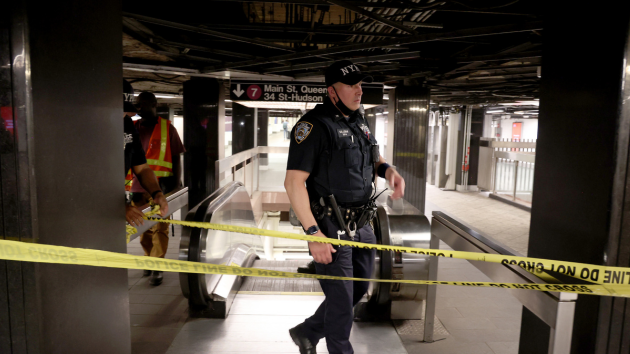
(516, 131)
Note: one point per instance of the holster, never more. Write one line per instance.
(319, 210)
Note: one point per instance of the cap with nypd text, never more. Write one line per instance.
(128, 97)
(346, 72)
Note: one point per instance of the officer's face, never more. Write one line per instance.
(350, 95)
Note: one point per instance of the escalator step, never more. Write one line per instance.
(276, 285)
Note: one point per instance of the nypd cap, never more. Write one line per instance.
(346, 72)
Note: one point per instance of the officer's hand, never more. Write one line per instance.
(321, 252)
(396, 182)
(134, 216)
(160, 200)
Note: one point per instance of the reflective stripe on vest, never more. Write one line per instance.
(158, 158)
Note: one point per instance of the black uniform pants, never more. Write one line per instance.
(333, 319)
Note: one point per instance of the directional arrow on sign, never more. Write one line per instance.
(238, 92)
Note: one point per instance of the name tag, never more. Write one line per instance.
(344, 132)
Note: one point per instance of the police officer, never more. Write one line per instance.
(333, 157)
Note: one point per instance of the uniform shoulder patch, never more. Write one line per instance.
(365, 130)
(302, 130)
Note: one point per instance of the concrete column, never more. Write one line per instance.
(391, 120)
(580, 207)
(244, 130)
(204, 135)
(262, 134)
(410, 145)
(62, 170)
(165, 111)
(451, 164)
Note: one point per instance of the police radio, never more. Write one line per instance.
(375, 153)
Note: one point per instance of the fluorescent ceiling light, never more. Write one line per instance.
(501, 111)
(228, 100)
(281, 105)
(163, 95)
(287, 105)
(522, 103)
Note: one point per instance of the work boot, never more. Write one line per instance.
(308, 269)
(156, 278)
(301, 341)
(146, 273)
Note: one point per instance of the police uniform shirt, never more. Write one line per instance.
(134, 154)
(324, 130)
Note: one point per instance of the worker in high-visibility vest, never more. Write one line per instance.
(136, 161)
(163, 147)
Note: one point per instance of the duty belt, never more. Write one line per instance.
(349, 218)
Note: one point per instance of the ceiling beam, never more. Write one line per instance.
(323, 2)
(295, 29)
(144, 35)
(373, 16)
(431, 37)
(410, 76)
(361, 60)
(206, 31)
(386, 5)
(189, 57)
(497, 67)
(205, 49)
(501, 56)
(142, 66)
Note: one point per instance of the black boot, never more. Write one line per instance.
(156, 278)
(308, 269)
(146, 273)
(301, 341)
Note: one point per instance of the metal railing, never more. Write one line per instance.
(514, 174)
(506, 168)
(556, 309)
(244, 167)
(177, 200)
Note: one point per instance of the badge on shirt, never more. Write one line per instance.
(365, 129)
(343, 133)
(128, 139)
(302, 130)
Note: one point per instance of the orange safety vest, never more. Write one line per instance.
(158, 154)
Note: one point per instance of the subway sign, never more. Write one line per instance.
(308, 92)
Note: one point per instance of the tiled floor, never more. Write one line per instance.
(484, 321)
(157, 313)
(479, 321)
(260, 324)
(506, 224)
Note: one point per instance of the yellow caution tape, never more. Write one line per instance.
(28, 252)
(132, 230)
(588, 272)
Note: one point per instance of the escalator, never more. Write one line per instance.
(211, 296)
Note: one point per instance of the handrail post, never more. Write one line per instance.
(515, 178)
(493, 174)
(431, 295)
(560, 336)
